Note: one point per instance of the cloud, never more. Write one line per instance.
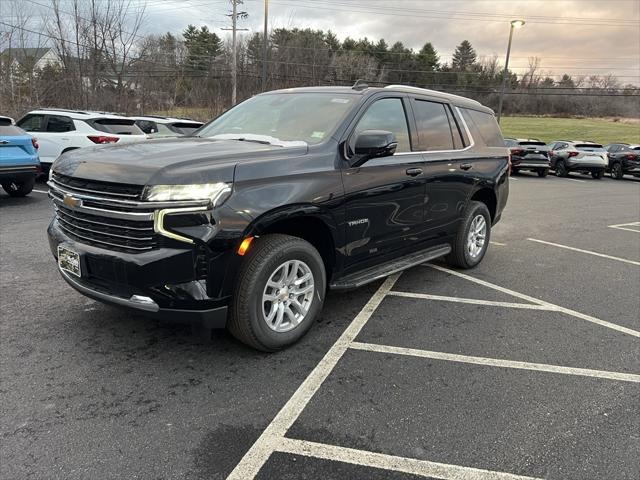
(575, 45)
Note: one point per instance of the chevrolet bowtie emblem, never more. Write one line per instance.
(71, 201)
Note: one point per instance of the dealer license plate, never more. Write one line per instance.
(69, 261)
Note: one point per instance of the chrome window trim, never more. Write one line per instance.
(472, 142)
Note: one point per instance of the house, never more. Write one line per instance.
(30, 59)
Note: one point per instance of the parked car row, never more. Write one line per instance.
(60, 130)
(567, 156)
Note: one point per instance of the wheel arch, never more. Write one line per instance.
(309, 222)
(487, 196)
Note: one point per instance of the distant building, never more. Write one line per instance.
(30, 59)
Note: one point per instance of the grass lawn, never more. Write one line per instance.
(548, 129)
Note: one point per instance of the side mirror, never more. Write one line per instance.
(373, 144)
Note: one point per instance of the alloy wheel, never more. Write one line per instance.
(477, 236)
(288, 295)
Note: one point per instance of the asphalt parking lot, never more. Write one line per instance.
(527, 366)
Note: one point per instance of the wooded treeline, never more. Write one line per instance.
(105, 63)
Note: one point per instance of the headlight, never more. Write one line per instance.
(216, 192)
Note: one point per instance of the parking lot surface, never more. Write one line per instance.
(525, 367)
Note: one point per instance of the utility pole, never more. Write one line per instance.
(234, 60)
(265, 47)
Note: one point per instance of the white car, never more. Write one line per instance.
(158, 127)
(59, 131)
(6, 120)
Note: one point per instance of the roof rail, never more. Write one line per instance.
(360, 85)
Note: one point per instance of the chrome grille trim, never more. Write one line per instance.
(98, 232)
(103, 212)
(66, 212)
(81, 190)
(93, 240)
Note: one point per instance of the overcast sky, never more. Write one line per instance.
(572, 36)
(576, 36)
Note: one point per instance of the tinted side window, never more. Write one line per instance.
(486, 126)
(386, 114)
(56, 123)
(147, 126)
(434, 131)
(32, 123)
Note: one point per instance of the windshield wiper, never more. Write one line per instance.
(264, 142)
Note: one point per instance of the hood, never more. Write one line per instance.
(184, 160)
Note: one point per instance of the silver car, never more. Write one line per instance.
(578, 156)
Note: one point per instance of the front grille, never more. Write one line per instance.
(111, 190)
(127, 235)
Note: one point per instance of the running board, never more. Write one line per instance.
(371, 274)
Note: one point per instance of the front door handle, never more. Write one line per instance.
(414, 172)
(466, 166)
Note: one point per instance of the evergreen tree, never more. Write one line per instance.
(427, 61)
(202, 47)
(464, 58)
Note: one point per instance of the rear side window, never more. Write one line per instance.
(32, 123)
(434, 131)
(11, 131)
(387, 114)
(117, 126)
(486, 126)
(147, 126)
(184, 128)
(57, 124)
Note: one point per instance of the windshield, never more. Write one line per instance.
(307, 117)
(540, 144)
(590, 147)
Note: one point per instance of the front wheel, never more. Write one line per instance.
(472, 238)
(616, 171)
(597, 175)
(543, 173)
(279, 292)
(19, 189)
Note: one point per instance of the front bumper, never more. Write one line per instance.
(160, 283)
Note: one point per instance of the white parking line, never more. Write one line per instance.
(390, 462)
(573, 180)
(274, 434)
(589, 252)
(496, 362)
(528, 298)
(627, 227)
(497, 243)
(40, 191)
(471, 301)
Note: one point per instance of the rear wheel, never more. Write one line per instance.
(472, 238)
(543, 172)
(616, 171)
(279, 292)
(19, 189)
(597, 175)
(561, 169)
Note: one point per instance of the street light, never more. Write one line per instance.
(514, 24)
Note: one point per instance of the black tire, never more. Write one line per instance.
(19, 189)
(616, 171)
(460, 256)
(246, 319)
(543, 173)
(597, 175)
(561, 169)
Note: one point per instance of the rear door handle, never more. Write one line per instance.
(466, 166)
(414, 172)
(4, 142)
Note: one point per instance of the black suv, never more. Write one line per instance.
(248, 222)
(623, 159)
(528, 154)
